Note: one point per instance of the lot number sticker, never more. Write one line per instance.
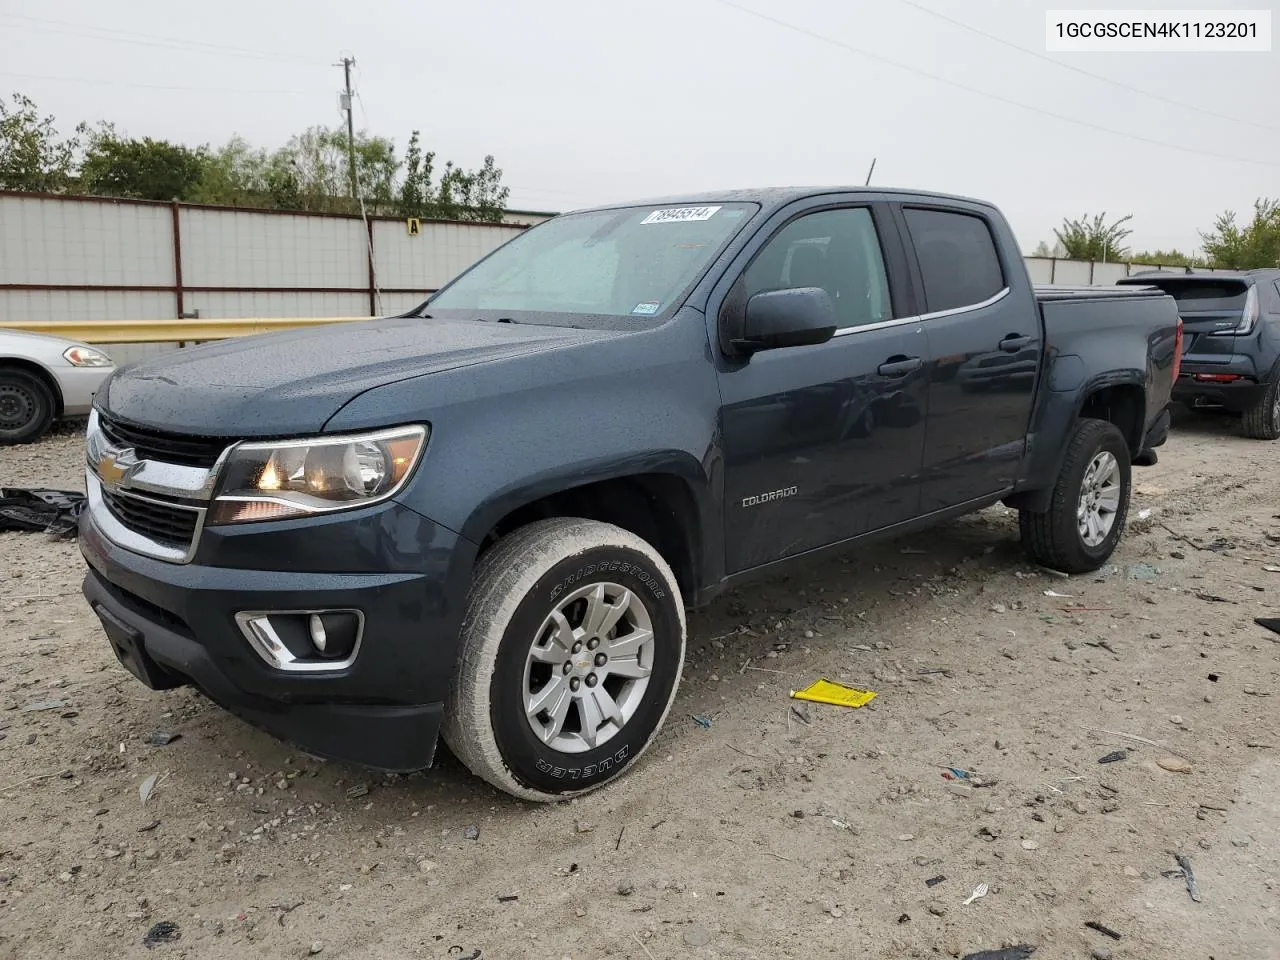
(680, 215)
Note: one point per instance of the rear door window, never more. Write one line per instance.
(957, 256)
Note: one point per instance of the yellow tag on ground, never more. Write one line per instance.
(836, 694)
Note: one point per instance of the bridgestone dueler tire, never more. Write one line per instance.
(513, 590)
(1053, 537)
(1262, 422)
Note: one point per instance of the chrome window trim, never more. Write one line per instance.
(122, 536)
(266, 643)
(925, 317)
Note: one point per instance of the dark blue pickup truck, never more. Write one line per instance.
(485, 519)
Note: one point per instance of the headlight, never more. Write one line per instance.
(274, 480)
(85, 357)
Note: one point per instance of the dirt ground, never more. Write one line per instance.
(766, 834)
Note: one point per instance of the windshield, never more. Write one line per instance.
(634, 263)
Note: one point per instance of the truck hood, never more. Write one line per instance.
(292, 383)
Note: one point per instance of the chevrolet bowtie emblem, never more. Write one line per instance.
(114, 466)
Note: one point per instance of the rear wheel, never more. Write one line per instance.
(1086, 514)
(572, 648)
(26, 406)
(1262, 422)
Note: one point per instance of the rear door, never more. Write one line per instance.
(823, 443)
(984, 336)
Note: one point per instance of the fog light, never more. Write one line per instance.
(304, 640)
(318, 636)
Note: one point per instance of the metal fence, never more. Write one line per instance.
(94, 260)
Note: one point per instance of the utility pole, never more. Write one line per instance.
(347, 64)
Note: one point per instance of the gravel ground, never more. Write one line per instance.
(772, 833)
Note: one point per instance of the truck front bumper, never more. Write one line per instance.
(175, 624)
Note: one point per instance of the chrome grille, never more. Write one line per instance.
(188, 451)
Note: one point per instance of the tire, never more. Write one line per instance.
(518, 585)
(26, 406)
(1053, 537)
(1262, 422)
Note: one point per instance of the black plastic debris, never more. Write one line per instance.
(934, 881)
(1020, 952)
(161, 739)
(1269, 623)
(1105, 931)
(166, 931)
(1115, 756)
(40, 511)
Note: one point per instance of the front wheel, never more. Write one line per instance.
(1086, 514)
(26, 406)
(572, 648)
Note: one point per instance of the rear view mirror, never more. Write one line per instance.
(787, 318)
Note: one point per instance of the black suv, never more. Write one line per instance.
(1231, 351)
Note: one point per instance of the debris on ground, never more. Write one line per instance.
(836, 694)
(166, 931)
(161, 739)
(509, 898)
(1114, 756)
(934, 881)
(1174, 764)
(1105, 931)
(703, 722)
(1021, 952)
(1059, 596)
(1213, 598)
(358, 791)
(42, 705)
(979, 892)
(40, 511)
(316, 947)
(626, 888)
(471, 833)
(148, 787)
(1269, 623)
(1184, 862)
(1144, 571)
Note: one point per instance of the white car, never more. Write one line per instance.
(43, 379)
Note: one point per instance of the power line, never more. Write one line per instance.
(880, 58)
(157, 86)
(1086, 73)
(108, 34)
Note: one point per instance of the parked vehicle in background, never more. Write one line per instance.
(43, 379)
(1231, 352)
(485, 518)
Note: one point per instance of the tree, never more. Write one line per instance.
(32, 156)
(1044, 250)
(1094, 239)
(416, 193)
(1243, 248)
(1168, 258)
(145, 169)
(234, 175)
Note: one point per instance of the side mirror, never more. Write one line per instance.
(787, 318)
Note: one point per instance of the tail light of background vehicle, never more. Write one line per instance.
(1177, 351)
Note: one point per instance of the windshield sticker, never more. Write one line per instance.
(680, 215)
(646, 309)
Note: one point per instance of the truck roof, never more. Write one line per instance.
(770, 197)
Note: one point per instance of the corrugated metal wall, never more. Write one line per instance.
(74, 258)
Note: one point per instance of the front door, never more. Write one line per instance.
(825, 442)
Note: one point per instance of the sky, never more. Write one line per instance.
(590, 102)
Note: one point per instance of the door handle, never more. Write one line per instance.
(899, 366)
(1013, 343)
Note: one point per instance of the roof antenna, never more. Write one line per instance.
(870, 172)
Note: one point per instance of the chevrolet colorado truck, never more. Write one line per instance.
(484, 519)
